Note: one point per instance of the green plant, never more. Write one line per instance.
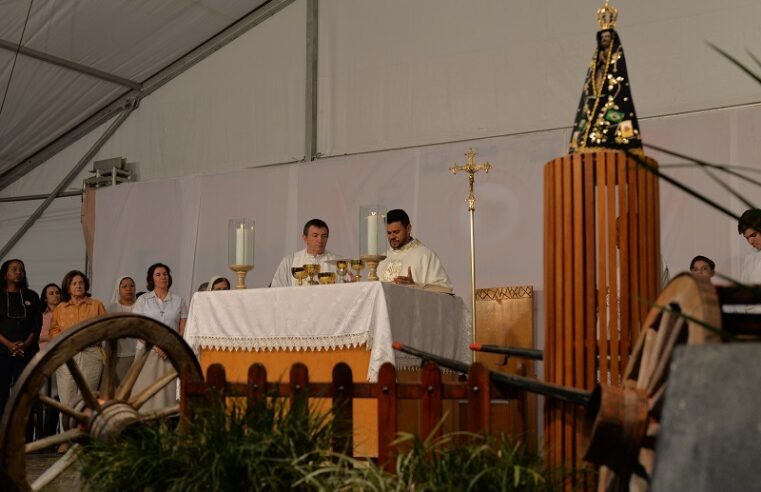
(280, 447)
(265, 449)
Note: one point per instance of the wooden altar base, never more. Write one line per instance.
(320, 364)
(515, 417)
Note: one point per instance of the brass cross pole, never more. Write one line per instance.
(471, 168)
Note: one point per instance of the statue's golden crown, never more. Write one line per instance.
(607, 15)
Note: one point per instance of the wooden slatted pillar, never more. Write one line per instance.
(602, 268)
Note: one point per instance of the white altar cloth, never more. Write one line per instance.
(327, 317)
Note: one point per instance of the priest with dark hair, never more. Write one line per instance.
(315, 237)
(408, 261)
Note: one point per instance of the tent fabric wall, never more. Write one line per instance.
(508, 217)
(401, 73)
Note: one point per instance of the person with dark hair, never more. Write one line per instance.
(20, 323)
(51, 297)
(122, 301)
(749, 226)
(703, 266)
(77, 306)
(170, 309)
(217, 283)
(408, 261)
(315, 237)
(46, 416)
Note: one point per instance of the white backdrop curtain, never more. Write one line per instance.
(183, 221)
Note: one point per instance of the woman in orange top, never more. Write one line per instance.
(76, 307)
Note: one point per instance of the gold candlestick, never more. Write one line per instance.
(471, 168)
(372, 265)
(240, 273)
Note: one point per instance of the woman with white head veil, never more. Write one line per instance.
(218, 283)
(123, 301)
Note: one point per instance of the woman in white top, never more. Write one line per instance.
(171, 310)
(122, 301)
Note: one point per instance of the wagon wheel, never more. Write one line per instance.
(623, 422)
(98, 415)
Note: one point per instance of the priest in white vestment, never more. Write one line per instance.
(751, 267)
(408, 261)
(315, 236)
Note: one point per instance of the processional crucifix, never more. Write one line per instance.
(471, 168)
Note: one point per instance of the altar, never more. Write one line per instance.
(322, 325)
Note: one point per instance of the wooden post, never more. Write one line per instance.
(343, 408)
(299, 381)
(431, 407)
(387, 400)
(479, 398)
(256, 390)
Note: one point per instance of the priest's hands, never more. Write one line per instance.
(405, 280)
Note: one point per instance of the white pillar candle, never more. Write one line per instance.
(240, 245)
(372, 234)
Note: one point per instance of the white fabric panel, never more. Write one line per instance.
(401, 73)
(241, 107)
(55, 243)
(53, 246)
(509, 218)
(138, 225)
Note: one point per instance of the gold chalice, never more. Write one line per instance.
(312, 269)
(357, 266)
(299, 274)
(342, 266)
(327, 278)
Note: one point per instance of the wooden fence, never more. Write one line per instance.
(477, 391)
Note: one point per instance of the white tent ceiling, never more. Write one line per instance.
(61, 62)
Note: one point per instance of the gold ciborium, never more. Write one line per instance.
(327, 278)
(299, 274)
(357, 266)
(372, 265)
(312, 269)
(342, 268)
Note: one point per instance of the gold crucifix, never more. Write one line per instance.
(471, 168)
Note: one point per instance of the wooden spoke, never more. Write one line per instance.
(145, 395)
(647, 354)
(161, 413)
(69, 435)
(58, 467)
(665, 329)
(655, 402)
(658, 377)
(109, 369)
(79, 416)
(125, 388)
(87, 394)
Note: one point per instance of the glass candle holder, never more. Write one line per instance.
(372, 230)
(240, 242)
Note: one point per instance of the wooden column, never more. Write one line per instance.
(601, 269)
